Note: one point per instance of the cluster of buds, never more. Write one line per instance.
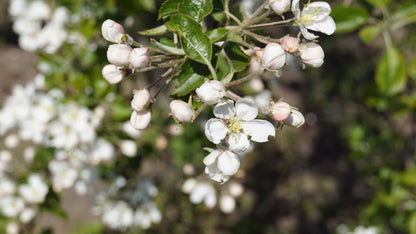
(141, 115)
(123, 58)
(284, 113)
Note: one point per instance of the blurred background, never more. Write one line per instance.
(352, 163)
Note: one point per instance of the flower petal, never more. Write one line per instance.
(215, 130)
(224, 109)
(238, 143)
(259, 130)
(326, 25)
(246, 109)
(295, 8)
(317, 10)
(228, 163)
(307, 35)
(210, 158)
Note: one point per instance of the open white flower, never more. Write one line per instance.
(221, 164)
(35, 191)
(315, 16)
(238, 123)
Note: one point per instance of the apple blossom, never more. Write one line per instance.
(139, 58)
(203, 192)
(13, 228)
(238, 123)
(141, 99)
(146, 215)
(221, 164)
(280, 110)
(113, 32)
(128, 148)
(181, 111)
(211, 91)
(140, 119)
(113, 74)
(295, 119)
(119, 54)
(279, 6)
(312, 54)
(290, 44)
(315, 16)
(11, 206)
(274, 56)
(227, 204)
(35, 191)
(27, 215)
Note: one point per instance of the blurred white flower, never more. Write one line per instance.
(11, 206)
(35, 191)
(118, 215)
(227, 203)
(147, 214)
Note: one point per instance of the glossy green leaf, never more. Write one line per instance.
(349, 18)
(217, 34)
(169, 7)
(368, 33)
(391, 72)
(378, 3)
(154, 31)
(238, 59)
(191, 77)
(196, 44)
(196, 9)
(223, 68)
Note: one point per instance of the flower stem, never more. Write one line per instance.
(249, 21)
(271, 24)
(233, 96)
(262, 39)
(197, 112)
(244, 79)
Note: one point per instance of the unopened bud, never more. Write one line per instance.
(295, 119)
(211, 91)
(139, 57)
(140, 119)
(290, 44)
(274, 56)
(259, 53)
(279, 6)
(141, 99)
(113, 32)
(280, 111)
(113, 74)
(119, 54)
(181, 111)
(312, 54)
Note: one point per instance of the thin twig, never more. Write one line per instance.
(244, 79)
(249, 20)
(271, 24)
(262, 39)
(233, 96)
(197, 112)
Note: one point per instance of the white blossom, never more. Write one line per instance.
(314, 16)
(221, 164)
(211, 91)
(113, 32)
(139, 58)
(181, 111)
(11, 206)
(35, 191)
(119, 54)
(113, 74)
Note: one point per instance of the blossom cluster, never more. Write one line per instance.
(39, 26)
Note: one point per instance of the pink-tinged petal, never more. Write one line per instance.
(317, 10)
(326, 26)
(238, 143)
(259, 130)
(215, 130)
(224, 110)
(307, 35)
(246, 109)
(210, 158)
(228, 163)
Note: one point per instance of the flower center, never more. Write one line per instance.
(234, 125)
(306, 19)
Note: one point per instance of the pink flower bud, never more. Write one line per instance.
(259, 53)
(139, 57)
(113, 74)
(290, 44)
(119, 54)
(312, 54)
(140, 119)
(295, 119)
(274, 56)
(113, 32)
(279, 6)
(181, 111)
(141, 99)
(280, 111)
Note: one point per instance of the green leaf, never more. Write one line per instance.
(223, 68)
(368, 33)
(191, 77)
(391, 72)
(238, 59)
(196, 44)
(412, 68)
(217, 34)
(234, 37)
(411, 225)
(196, 9)
(349, 18)
(120, 110)
(378, 3)
(154, 31)
(169, 7)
